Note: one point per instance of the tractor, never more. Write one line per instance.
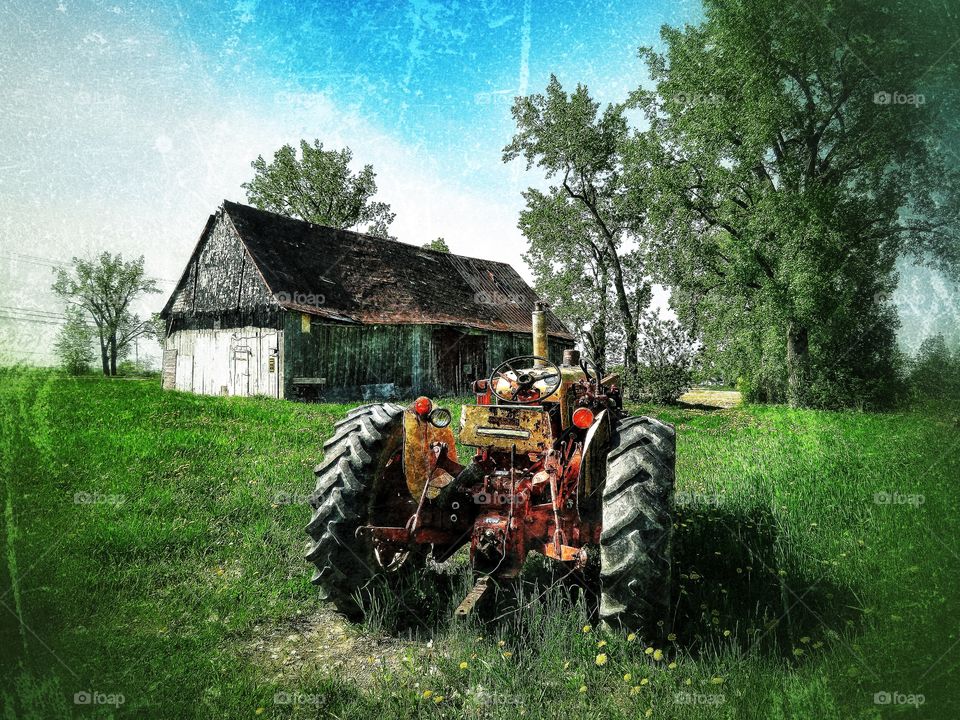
(557, 468)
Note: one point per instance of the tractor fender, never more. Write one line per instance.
(419, 461)
(593, 466)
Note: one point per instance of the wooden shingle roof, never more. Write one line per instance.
(351, 277)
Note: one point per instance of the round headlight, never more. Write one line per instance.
(440, 417)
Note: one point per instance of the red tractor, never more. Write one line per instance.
(557, 469)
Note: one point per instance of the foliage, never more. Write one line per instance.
(784, 180)
(104, 288)
(583, 220)
(74, 343)
(202, 553)
(439, 244)
(934, 372)
(319, 187)
(665, 360)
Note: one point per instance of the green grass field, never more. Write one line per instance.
(152, 546)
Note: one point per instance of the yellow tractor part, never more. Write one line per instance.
(419, 458)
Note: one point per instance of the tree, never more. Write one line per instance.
(788, 165)
(569, 271)
(319, 187)
(74, 343)
(568, 138)
(105, 288)
(666, 355)
(440, 245)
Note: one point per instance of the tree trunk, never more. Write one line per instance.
(113, 354)
(104, 356)
(798, 366)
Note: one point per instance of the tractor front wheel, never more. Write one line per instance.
(635, 542)
(360, 472)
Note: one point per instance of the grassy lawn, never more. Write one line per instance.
(152, 542)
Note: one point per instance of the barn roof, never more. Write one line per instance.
(351, 277)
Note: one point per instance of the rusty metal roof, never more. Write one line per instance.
(351, 277)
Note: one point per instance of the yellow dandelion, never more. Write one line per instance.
(602, 643)
(427, 694)
(649, 651)
(688, 681)
(438, 699)
(501, 643)
(583, 689)
(259, 711)
(716, 681)
(672, 666)
(645, 681)
(479, 638)
(601, 659)
(726, 633)
(782, 573)
(671, 637)
(627, 677)
(507, 654)
(631, 637)
(566, 665)
(587, 628)
(635, 690)
(798, 652)
(464, 666)
(658, 654)
(648, 712)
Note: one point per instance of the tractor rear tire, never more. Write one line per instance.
(347, 487)
(635, 543)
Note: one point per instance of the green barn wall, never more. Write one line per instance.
(351, 356)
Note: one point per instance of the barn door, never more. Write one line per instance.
(459, 359)
(239, 368)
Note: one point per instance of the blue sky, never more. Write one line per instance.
(126, 123)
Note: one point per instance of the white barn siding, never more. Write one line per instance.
(234, 361)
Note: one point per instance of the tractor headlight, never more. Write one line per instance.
(440, 417)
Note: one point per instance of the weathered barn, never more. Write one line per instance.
(269, 305)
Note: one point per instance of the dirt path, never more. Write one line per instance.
(712, 398)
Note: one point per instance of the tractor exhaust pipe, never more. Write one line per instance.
(539, 324)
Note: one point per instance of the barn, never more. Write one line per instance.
(270, 305)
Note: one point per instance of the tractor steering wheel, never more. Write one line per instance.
(514, 385)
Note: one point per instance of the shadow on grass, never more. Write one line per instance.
(735, 586)
(736, 582)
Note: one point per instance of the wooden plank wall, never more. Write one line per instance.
(233, 361)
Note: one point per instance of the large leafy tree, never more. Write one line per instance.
(583, 234)
(319, 187)
(105, 289)
(789, 163)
